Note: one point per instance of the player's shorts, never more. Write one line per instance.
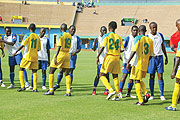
(16, 60)
(111, 64)
(124, 70)
(29, 64)
(63, 60)
(42, 64)
(156, 63)
(137, 74)
(73, 61)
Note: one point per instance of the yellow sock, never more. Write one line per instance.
(175, 95)
(51, 81)
(106, 83)
(21, 78)
(116, 85)
(68, 84)
(34, 81)
(143, 87)
(138, 92)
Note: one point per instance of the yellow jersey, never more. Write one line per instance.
(1, 43)
(178, 50)
(32, 44)
(143, 46)
(113, 43)
(65, 41)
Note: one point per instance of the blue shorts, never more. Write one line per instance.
(16, 60)
(73, 61)
(156, 63)
(124, 70)
(99, 68)
(42, 64)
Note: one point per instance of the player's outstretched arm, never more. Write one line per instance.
(9, 43)
(165, 54)
(57, 52)
(130, 58)
(175, 67)
(18, 50)
(97, 61)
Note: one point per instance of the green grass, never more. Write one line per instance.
(81, 105)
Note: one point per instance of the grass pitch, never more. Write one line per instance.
(81, 105)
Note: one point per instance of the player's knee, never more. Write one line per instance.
(160, 77)
(137, 81)
(152, 76)
(21, 69)
(44, 72)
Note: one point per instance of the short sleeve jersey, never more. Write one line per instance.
(45, 46)
(113, 43)
(32, 44)
(143, 46)
(11, 49)
(65, 41)
(175, 38)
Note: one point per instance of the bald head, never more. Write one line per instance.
(63, 27)
(178, 21)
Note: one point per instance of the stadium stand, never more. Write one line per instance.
(165, 16)
(39, 14)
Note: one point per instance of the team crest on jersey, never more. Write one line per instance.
(14, 37)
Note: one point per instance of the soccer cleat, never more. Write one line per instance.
(110, 95)
(162, 98)
(11, 86)
(146, 97)
(171, 108)
(35, 90)
(3, 85)
(106, 92)
(48, 93)
(69, 94)
(21, 89)
(120, 95)
(94, 93)
(44, 87)
(29, 88)
(138, 103)
(151, 98)
(56, 87)
(116, 97)
(26, 85)
(129, 95)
